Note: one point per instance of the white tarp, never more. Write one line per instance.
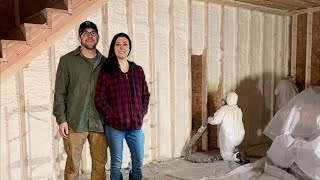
(305, 123)
(295, 131)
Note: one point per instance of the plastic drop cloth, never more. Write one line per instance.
(179, 169)
(299, 139)
(305, 154)
(231, 131)
(305, 125)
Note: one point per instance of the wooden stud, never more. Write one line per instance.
(154, 123)
(220, 86)
(172, 78)
(309, 49)
(55, 128)
(189, 117)
(294, 45)
(130, 24)
(23, 128)
(204, 94)
(286, 47)
(236, 52)
(7, 119)
(273, 63)
(281, 46)
(105, 29)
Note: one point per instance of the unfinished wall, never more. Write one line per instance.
(305, 58)
(246, 52)
(301, 51)
(315, 53)
(10, 130)
(241, 50)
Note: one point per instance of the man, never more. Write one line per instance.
(74, 106)
(284, 91)
(231, 131)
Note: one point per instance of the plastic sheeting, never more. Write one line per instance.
(179, 169)
(307, 157)
(304, 124)
(285, 151)
(298, 141)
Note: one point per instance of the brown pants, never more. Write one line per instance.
(73, 146)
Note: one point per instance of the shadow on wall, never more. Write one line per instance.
(254, 109)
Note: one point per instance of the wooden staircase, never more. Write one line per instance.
(18, 49)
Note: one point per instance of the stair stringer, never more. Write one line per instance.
(19, 53)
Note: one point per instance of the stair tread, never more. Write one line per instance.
(6, 41)
(35, 25)
(55, 10)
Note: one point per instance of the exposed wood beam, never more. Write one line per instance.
(271, 4)
(303, 11)
(247, 6)
(313, 1)
(309, 50)
(297, 3)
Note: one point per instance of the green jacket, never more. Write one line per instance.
(75, 90)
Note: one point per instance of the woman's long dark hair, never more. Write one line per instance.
(111, 65)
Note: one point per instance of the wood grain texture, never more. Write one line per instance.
(315, 53)
(197, 99)
(301, 51)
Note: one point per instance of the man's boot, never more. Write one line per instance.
(242, 155)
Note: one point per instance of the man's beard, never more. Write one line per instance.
(88, 47)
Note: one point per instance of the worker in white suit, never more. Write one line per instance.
(231, 131)
(284, 91)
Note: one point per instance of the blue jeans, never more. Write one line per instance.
(135, 142)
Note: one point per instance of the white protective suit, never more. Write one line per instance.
(285, 90)
(231, 131)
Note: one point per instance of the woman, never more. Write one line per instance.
(122, 97)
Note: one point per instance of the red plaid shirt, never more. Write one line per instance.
(123, 98)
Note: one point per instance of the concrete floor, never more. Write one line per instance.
(179, 168)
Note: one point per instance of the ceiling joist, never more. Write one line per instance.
(278, 7)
